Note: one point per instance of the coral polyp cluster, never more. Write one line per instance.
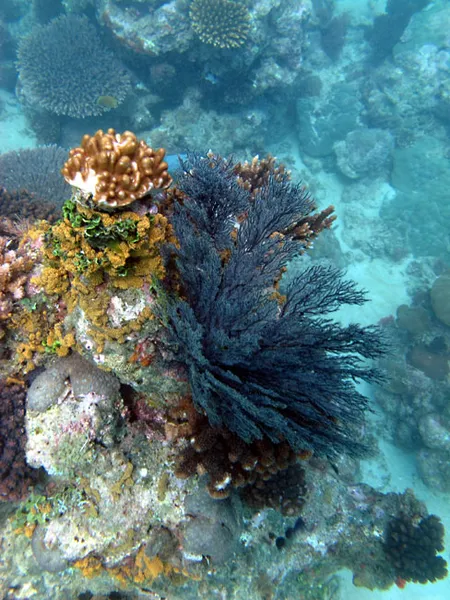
(115, 169)
(221, 23)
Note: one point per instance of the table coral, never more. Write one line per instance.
(63, 68)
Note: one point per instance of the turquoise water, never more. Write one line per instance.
(353, 97)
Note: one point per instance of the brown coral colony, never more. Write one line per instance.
(114, 169)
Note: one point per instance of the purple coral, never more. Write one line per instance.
(15, 475)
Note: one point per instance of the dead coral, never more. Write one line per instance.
(115, 169)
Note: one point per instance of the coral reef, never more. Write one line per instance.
(115, 169)
(364, 152)
(388, 28)
(412, 548)
(191, 376)
(230, 319)
(414, 398)
(222, 23)
(34, 174)
(64, 69)
(15, 475)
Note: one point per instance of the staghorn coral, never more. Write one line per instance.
(411, 547)
(221, 23)
(262, 365)
(33, 174)
(232, 464)
(64, 69)
(15, 475)
(115, 169)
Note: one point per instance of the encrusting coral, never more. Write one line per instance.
(115, 169)
(221, 23)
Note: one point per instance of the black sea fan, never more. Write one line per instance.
(261, 364)
(63, 68)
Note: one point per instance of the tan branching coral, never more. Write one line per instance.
(254, 175)
(115, 169)
(221, 23)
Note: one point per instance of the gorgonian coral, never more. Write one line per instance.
(114, 169)
(221, 23)
(63, 68)
(261, 364)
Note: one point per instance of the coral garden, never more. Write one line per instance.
(183, 404)
(182, 413)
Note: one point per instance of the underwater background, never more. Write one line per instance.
(224, 374)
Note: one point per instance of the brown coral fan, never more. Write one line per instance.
(223, 456)
(221, 23)
(115, 169)
(15, 475)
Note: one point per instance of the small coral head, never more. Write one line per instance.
(113, 170)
